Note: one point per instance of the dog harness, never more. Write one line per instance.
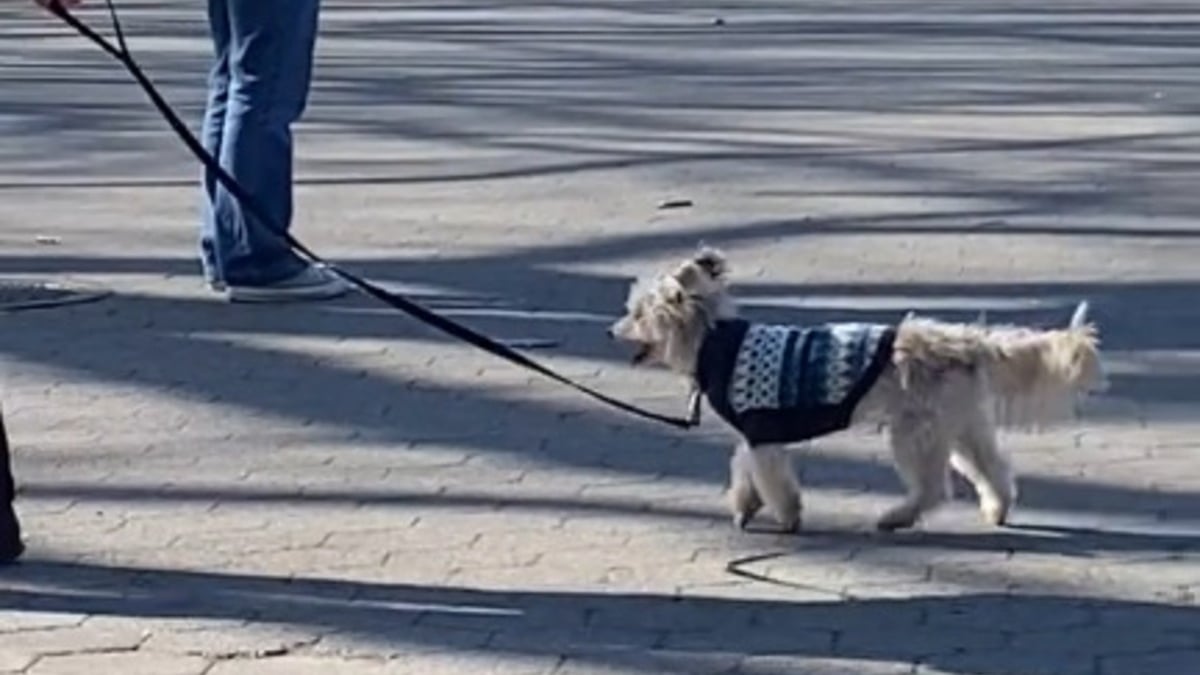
(786, 384)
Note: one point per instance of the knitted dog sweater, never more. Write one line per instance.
(786, 384)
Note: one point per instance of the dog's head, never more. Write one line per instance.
(667, 317)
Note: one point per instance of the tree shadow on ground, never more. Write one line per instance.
(982, 633)
(190, 348)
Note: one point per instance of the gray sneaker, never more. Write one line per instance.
(314, 282)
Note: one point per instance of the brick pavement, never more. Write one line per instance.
(227, 490)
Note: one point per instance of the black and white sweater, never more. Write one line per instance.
(786, 384)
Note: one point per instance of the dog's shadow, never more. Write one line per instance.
(1029, 538)
(867, 563)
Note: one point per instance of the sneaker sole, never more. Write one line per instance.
(282, 295)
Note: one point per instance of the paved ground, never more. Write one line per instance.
(226, 490)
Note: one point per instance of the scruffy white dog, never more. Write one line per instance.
(940, 388)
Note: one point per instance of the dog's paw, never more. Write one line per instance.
(792, 526)
(742, 520)
(744, 504)
(994, 513)
(899, 518)
(789, 518)
(891, 525)
(744, 512)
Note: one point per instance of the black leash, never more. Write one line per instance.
(122, 54)
(738, 568)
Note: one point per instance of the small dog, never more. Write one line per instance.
(940, 388)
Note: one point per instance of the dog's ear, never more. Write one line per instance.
(673, 290)
(712, 262)
(691, 276)
(707, 267)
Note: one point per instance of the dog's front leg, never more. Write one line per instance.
(744, 500)
(776, 483)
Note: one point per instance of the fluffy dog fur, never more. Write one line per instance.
(946, 391)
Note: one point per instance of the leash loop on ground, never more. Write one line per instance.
(122, 54)
(738, 567)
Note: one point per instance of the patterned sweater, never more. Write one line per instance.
(786, 384)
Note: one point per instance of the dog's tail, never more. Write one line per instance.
(1035, 376)
(1039, 376)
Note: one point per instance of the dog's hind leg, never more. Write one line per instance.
(771, 471)
(922, 454)
(744, 501)
(979, 458)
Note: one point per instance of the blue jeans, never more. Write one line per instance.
(258, 87)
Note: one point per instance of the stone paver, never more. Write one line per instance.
(334, 489)
(126, 663)
(305, 665)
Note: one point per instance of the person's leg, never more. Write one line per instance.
(270, 60)
(11, 546)
(211, 136)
